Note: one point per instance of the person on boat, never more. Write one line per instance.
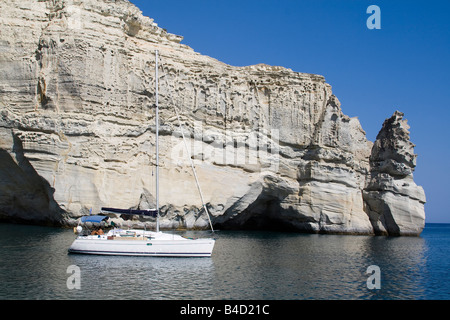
(97, 232)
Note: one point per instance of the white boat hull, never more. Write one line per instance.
(162, 245)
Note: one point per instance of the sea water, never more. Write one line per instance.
(245, 265)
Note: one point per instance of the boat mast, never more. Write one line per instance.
(157, 143)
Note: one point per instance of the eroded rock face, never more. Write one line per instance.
(271, 147)
(395, 204)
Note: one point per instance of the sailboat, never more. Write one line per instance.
(141, 242)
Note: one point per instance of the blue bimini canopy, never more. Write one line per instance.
(148, 212)
(94, 219)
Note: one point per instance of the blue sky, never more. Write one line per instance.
(403, 66)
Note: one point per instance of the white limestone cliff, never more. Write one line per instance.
(271, 146)
(395, 204)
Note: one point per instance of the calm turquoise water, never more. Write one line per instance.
(245, 265)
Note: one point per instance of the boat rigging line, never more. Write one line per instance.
(184, 140)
